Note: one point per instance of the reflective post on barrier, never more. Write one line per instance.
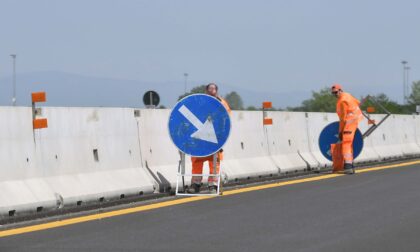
(38, 123)
(265, 106)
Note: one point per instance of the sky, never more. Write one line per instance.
(265, 46)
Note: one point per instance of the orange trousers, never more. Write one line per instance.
(343, 152)
(197, 168)
(347, 143)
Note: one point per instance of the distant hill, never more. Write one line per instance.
(67, 89)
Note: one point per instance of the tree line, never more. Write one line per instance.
(323, 101)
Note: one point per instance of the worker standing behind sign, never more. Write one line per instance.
(198, 162)
(350, 115)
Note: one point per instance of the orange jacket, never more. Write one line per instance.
(224, 102)
(348, 111)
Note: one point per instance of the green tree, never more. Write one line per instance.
(195, 90)
(321, 101)
(235, 101)
(251, 108)
(392, 106)
(384, 100)
(415, 93)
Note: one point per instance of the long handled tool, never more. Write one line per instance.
(366, 115)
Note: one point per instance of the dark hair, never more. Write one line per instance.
(208, 86)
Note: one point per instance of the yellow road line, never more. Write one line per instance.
(109, 214)
(388, 167)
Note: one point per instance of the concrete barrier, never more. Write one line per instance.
(246, 153)
(21, 189)
(369, 153)
(85, 155)
(406, 125)
(385, 140)
(160, 156)
(88, 155)
(288, 142)
(316, 123)
(417, 128)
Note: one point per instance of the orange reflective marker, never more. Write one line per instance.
(40, 123)
(268, 121)
(267, 105)
(39, 97)
(370, 109)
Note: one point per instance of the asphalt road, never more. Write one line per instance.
(373, 211)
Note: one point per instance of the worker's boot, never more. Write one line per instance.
(213, 189)
(348, 169)
(195, 188)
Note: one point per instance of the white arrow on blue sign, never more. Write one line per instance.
(199, 125)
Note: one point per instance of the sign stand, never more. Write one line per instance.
(182, 174)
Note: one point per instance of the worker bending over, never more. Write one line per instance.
(350, 115)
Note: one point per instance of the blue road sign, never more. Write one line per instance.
(199, 125)
(329, 135)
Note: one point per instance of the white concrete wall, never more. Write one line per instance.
(417, 129)
(316, 123)
(387, 140)
(61, 169)
(159, 154)
(56, 166)
(21, 185)
(288, 140)
(369, 154)
(406, 126)
(65, 152)
(246, 153)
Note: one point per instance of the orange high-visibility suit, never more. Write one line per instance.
(198, 162)
(350, 115)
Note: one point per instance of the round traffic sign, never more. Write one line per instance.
(329, 135)
(151, 98)
(199, 125)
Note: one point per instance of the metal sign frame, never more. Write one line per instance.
(366, 115)
(181, 174)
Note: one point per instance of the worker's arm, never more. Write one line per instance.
(343, 117)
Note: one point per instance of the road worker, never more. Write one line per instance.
(350, 115)
(198, 162)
